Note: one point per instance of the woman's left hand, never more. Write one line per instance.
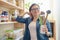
(46, 30)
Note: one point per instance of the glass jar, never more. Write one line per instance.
(4, 16)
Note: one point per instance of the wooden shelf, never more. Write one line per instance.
(19, 38)
(7, 22)
(18, 30)
(9, 5)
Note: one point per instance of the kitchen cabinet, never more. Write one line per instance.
(53, 27)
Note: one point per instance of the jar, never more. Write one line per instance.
(4, 16)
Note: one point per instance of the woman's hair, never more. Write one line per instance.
(32, 6)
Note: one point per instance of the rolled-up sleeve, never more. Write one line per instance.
(21, 19)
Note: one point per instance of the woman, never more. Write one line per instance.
(32, 29)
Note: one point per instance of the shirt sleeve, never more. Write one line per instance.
(49, 28)
(20, 19)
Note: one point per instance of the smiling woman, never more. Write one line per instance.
(32, 27)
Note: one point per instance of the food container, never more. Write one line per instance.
(4, 16)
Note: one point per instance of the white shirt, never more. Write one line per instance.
(32, 28)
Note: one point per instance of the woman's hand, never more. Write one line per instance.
(45, 29)
(23, 14)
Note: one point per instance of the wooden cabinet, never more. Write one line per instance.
(10, 5)
(53, 27)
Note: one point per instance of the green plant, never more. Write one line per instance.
(27, 5)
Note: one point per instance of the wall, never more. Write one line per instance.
(56, 10)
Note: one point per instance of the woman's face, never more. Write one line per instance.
(35, 11)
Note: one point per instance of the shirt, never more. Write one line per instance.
(32, 28)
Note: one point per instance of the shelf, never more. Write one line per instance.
(18, 30)
(9, 5)
(7, 22)
(19, 37)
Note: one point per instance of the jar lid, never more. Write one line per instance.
(4, 13)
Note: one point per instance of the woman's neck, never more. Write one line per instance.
(35, 19)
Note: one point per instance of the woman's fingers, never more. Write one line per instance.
(45, 29)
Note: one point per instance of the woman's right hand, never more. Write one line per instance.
(23, 14)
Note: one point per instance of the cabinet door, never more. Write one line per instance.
(53, 31)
